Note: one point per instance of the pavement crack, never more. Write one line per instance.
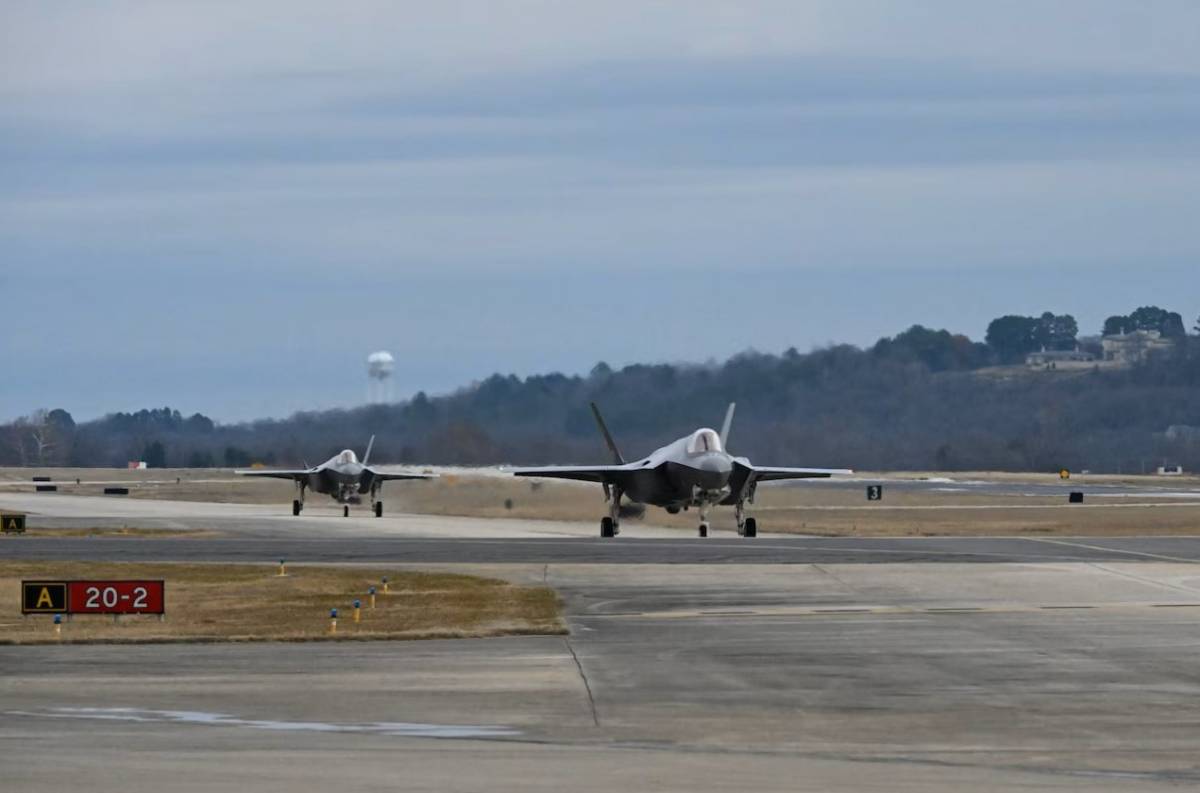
(586, 685)
(821, 569)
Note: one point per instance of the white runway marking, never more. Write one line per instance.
(399, 728)
(1109, 549)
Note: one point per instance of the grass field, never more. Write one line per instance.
(208, 602)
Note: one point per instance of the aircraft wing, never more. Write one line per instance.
(277, 473)
(745, 476)
(766, 474)
(384, 476)
(583, 473)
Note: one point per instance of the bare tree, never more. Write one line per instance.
(41, 436)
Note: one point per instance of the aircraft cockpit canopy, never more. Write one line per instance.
(346, 456)
(704, 441)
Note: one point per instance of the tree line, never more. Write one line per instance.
(921, 400)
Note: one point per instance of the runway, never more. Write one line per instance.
(779, 663)
(717, 550)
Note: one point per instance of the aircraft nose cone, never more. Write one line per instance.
(712, 471)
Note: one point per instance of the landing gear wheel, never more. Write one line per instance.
(296, 507)
(346, 511)
(750, 528)
(608, 528)
(703, 529)
(379, 509)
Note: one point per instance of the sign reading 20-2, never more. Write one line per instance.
(93, 597)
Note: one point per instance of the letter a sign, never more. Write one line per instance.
(43, 597)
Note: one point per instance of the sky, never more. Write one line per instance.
(225, 206)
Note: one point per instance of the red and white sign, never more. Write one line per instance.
(116, 597)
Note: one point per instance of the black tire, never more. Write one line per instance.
(750, 529)
(296, 507)
(346, 511)
(379, 509)
(607, 527)
(703, 529)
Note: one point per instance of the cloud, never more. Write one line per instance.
(266, 166)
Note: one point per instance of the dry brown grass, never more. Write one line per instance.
(121, 531)
(210, 602)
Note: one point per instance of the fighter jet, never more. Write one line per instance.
(343, 476)
(694, 471)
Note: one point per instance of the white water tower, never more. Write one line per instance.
(379, 377)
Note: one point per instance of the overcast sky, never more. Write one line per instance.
(224, 207)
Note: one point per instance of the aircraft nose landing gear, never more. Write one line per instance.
(345, 510)
(704, 519)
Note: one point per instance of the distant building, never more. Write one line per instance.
(1052, 359)
(1129, 348)
(1184, 433)
(1170, 470)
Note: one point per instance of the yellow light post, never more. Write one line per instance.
(357, 611)
(385, 585)
(371, 592)
(282, 568)
(332, 621)
(58, 626)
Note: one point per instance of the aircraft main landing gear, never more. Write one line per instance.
(611, 525)
(376, 504)
(747, 527)
(345, 510)
(298, 503)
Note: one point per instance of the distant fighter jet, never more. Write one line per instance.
(694, 471)
(342, 476)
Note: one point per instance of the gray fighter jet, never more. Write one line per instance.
(343, 476)
(694, 471)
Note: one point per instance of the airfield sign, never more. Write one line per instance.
(874, 492)
(43, 597)
(12, 523)
(93, 597)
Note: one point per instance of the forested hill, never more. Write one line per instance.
(921, 400)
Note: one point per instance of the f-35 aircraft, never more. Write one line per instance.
(694, 471)
(343, 476)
